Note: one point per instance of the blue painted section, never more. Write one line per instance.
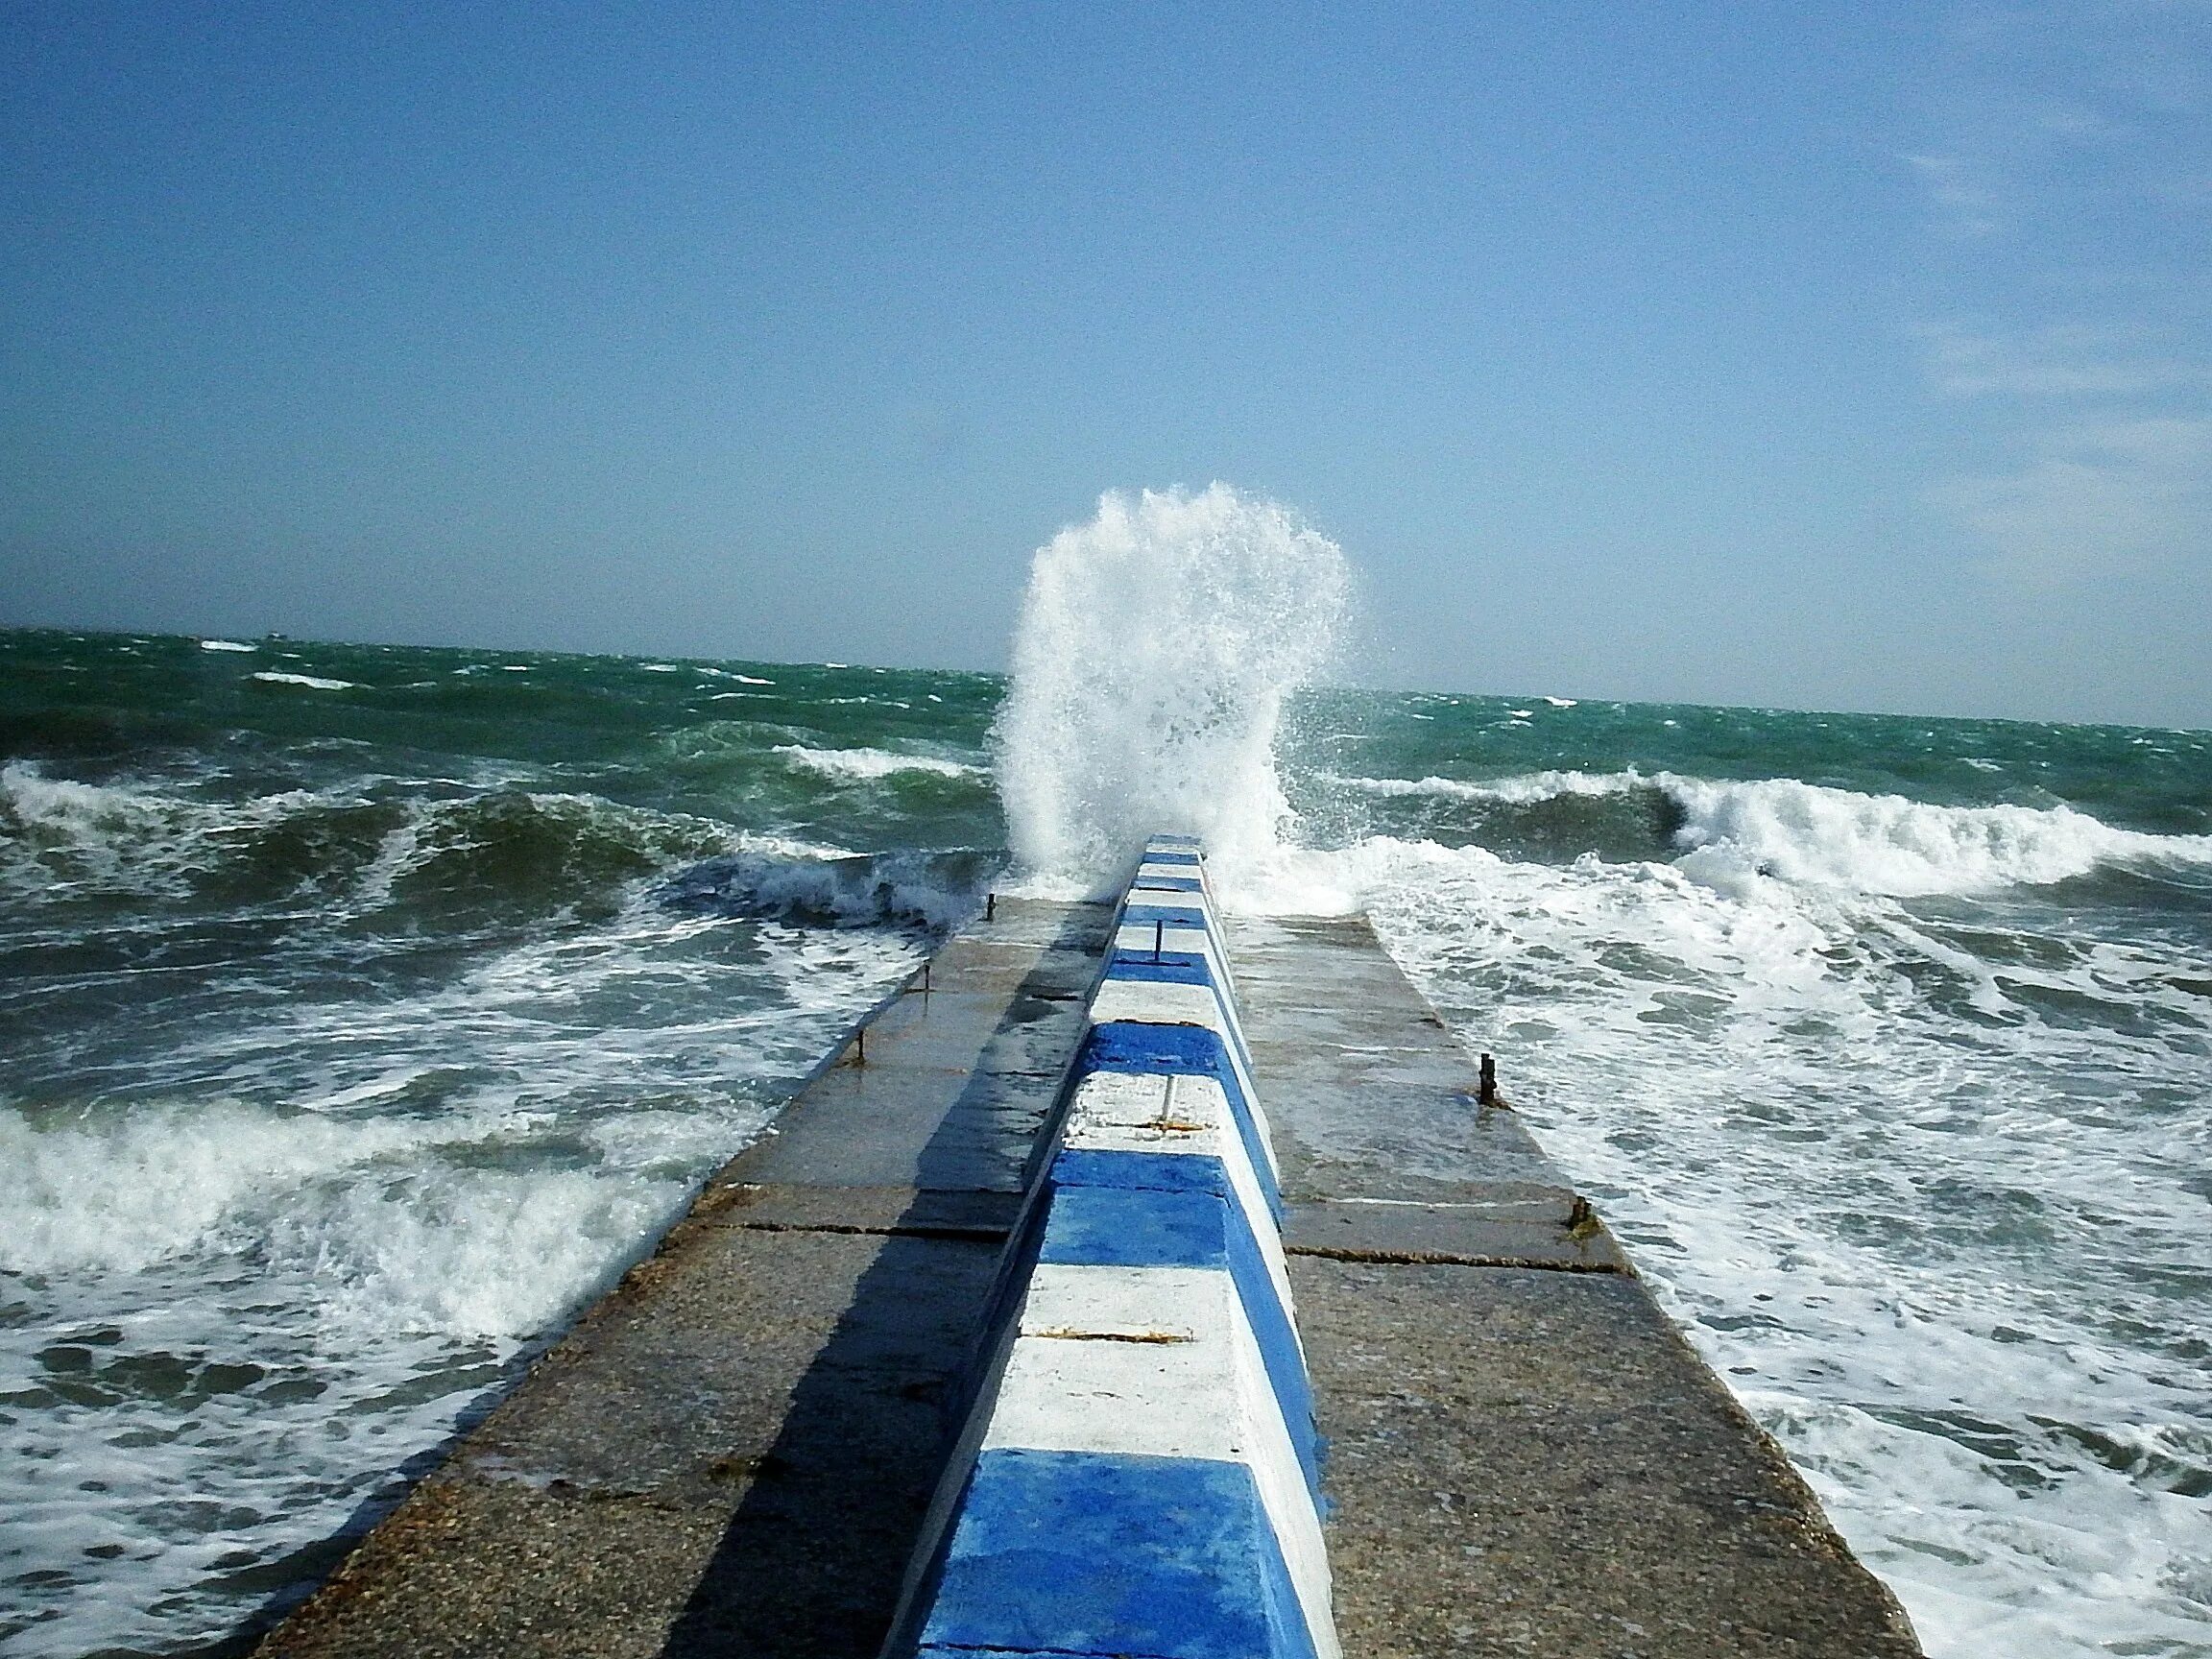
(1155, 1171)
(1148, 1051)
(1170, 968)
(1094, 1553)
(1168, 856)
(1135, 1227)
(1169, 885)
(1138, 967)
(1102, 1218)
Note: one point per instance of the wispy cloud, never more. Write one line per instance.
(2097, 499)
(2068, 187)
(1963, 193)
(2059, 360)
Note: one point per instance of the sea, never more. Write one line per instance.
(366, 1009)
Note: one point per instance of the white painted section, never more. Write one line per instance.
(1157, 886)
(1173, 1398)
(1081, 1379)
(1137, 938)
(1148, 871)
(1159, 1004)
(1114, 1112)
(1149, 1003)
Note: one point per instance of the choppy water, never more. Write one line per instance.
(365, 1010)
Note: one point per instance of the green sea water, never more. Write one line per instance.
(365, 1009)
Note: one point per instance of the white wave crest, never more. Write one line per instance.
(225, 645)
(867, 765)
(313, 682)
(398, 1238)
(1516, 790)
(1809, 834)
(1156, 646)
(56, 832)
(76, 810)
(1737, 831)
(125, 1190)
(437, 1250)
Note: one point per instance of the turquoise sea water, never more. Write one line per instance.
(365, 1010)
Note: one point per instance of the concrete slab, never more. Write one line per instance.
(889, 1124)
(1546, 1231)
(732, 1454)
(1528, 1462)
(923, 1211)
(1370, 1096)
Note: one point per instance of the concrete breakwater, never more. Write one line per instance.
(1139, 1473)
(769, 1437)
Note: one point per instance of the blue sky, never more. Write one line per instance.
(1821, 356)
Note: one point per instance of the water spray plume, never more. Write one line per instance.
(1155, 651)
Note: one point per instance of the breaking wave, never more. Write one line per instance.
(1726, 831)
(1806, 832)
(399, 1220)
(936, 889)
(868, 765)
(366, 845)
(1156, 648)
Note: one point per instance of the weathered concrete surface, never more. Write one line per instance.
(1522, 1460)
(731, 1453)
(1528, 1462)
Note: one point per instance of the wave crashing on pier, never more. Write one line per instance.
(1156, 649)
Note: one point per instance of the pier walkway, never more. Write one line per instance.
(733, 1453)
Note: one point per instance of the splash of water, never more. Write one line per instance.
(1156, 648)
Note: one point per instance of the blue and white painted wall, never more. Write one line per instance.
(1139, 1475)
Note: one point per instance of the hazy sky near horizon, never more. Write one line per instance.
(1833, 355)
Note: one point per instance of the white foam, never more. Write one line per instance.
(1518, 789)
(867, 765)
(1887, 844)
(1155, 649)
(1738, 831)
(313, 682)
(225, 645)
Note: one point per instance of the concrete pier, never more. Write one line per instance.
(734, 1450)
